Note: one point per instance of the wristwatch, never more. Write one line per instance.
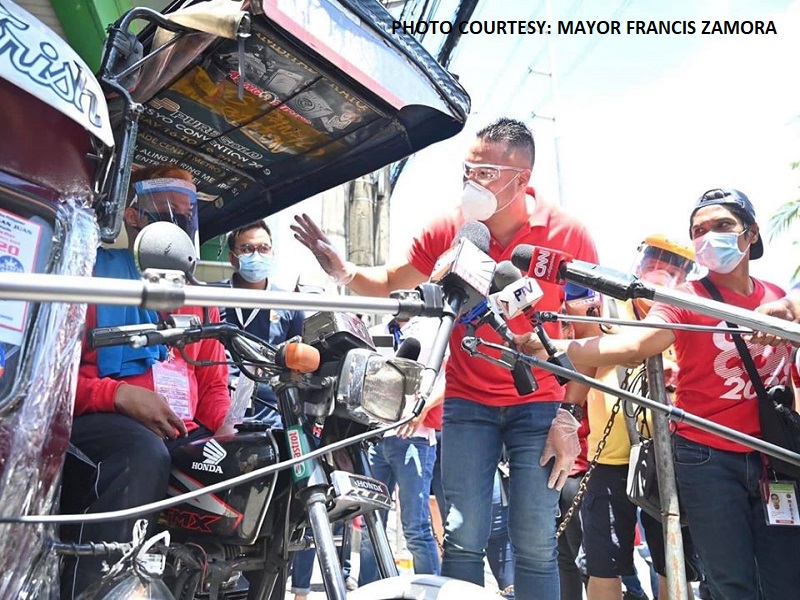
(576, 410)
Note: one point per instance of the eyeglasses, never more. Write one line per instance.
(248, 250)
(486, 172)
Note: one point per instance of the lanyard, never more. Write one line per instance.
(242, 323)
(250, 318)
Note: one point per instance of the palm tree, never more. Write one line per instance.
(782, 220)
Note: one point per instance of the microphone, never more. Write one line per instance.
(517, 293)
(409, 349)
(465, 271)
(506, 275)
(557, 267)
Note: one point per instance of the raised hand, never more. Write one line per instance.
(150, 409)
(329, 258)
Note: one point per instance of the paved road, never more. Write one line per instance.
(318, 593)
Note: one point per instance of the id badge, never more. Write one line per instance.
(780, 503)
(171, 380)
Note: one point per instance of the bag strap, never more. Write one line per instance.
(741, 346)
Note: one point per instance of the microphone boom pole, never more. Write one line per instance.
(672, 413)
(548, 316)
(627, 287)
(557, 267)
(786, 330)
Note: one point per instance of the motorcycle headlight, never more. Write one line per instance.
(373, 388)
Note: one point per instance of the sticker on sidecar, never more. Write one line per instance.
(298, 446)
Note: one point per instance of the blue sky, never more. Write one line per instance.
(644, 124)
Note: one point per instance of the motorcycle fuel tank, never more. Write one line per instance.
(234, 515)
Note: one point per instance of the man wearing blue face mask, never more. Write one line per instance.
(725, 486)
(252, 256)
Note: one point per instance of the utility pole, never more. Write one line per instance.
(552, 74)
(554, 94)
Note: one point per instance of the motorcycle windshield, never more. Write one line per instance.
(329, 93)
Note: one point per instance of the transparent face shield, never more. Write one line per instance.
(168, 199)
(662, 267)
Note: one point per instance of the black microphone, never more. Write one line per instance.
(505, 274)
(557, 267)
(410, 349)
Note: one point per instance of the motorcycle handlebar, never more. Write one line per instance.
(175, 331)
(179, 330)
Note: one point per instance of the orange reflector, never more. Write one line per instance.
(301, 357)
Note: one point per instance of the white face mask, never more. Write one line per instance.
(478, 203)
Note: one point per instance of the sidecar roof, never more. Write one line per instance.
(330, 92)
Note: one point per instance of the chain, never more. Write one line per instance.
(588, 475)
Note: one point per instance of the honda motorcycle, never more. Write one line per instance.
(238, 543)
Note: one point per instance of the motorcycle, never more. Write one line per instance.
(343, 388)
(334, 390)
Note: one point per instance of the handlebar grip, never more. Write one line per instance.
(100, 337)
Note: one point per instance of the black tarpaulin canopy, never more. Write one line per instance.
(329, 94)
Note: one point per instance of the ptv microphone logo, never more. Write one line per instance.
(520, 294)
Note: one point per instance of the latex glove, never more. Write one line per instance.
(563, 445)
(329, 258)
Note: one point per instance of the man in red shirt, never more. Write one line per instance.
(134, 406)
(482, 409)
(724, 485)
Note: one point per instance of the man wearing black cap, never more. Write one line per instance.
(720, 481)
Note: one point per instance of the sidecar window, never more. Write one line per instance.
(25, 243)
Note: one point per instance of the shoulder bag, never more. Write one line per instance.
(780, 424)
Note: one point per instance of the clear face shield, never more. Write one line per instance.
(659, 266)
(168, 199)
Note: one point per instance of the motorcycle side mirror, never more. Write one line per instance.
(165, 246)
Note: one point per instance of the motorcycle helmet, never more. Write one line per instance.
(661, 261)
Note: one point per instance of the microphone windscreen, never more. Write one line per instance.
(522, 256)
(410, 348)
(477, 233)
(505, 274)
(164, 245)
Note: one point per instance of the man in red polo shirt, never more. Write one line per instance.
(482, 409)
(133, 406)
